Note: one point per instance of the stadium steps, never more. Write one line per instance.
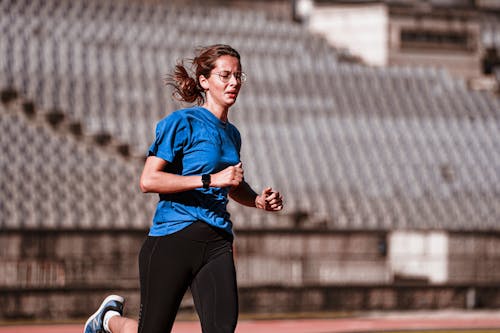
(54, 178)
(64, 125)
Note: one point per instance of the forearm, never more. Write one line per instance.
(243, 194)
(165, 183)
(154, 179)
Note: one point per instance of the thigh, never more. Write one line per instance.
(165, 269)
(215, 294)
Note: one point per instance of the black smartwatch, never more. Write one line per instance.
(205, 179)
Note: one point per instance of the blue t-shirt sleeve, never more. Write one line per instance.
(171, 137)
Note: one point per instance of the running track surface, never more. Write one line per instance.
(368, 323)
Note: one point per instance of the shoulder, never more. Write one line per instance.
(174, 116)
(233, 129)
(177, 117)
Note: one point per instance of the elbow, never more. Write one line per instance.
(145, 185)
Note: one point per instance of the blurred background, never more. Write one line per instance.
(379, 121)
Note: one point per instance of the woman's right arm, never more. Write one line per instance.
(155, 180)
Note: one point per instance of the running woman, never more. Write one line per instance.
(194, 165)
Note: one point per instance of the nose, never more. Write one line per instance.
(233, 80)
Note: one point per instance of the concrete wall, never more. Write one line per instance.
(460, 63)
(58, 275)
(419, 255)
(474, 257)
(65, 274)
(360, 28)
(367, 298)
(372, 32)
(311, 258)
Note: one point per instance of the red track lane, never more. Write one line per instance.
(367, 324)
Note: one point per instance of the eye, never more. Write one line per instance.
(225, 74)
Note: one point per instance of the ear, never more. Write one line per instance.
(203, 82)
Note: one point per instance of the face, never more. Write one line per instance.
(218, 92)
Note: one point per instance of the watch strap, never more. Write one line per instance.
(205, 179)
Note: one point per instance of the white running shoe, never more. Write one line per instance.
(95, 323)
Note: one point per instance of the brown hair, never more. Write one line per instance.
(187, 88)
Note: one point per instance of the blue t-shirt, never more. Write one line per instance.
(194, 141)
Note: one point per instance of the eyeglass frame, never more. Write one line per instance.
(242, 76)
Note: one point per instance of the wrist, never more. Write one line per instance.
(257, 202)
(206, 179)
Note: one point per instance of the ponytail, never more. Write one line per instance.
(186, 88)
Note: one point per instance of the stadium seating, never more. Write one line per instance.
(351, 147)
(55, 181)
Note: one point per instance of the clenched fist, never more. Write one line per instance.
(231, 176)
(269, 200)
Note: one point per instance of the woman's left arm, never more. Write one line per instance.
(269, 199)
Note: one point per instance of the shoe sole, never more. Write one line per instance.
(103, 305)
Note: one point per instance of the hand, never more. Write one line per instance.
(230, 176)
(269, 200)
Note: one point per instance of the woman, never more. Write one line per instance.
(194, 164)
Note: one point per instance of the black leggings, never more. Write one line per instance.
(199, 257)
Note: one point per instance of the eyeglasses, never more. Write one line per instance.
(225, 76)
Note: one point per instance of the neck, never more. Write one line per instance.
(218, 111)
